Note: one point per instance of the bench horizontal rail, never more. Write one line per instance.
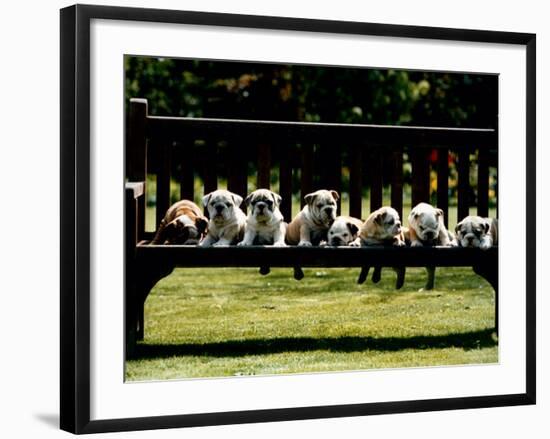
(256, 256)
(181, 128)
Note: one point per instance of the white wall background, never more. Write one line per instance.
(29, 187)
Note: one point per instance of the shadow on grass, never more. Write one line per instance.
(236, 348)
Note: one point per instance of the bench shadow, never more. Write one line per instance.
(236, 348)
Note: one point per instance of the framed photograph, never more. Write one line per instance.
(274, 218)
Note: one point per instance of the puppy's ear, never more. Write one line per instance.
(309, 198)
(352, 228)
(276, 199)
(247, 200)
(379, 219)
(438, 212)
(457, 227)
(201, 224)
(335, 195)
(206, 199)
(237, 199)
(486, 225)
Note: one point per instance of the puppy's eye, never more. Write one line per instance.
(228, 204)
(269, 202)
(332, 233)
(391, 221)
(319, 206)
(345, 235)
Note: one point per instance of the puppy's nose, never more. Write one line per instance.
(470, 238)
(429, 235)
(260, 207)
(219, 208)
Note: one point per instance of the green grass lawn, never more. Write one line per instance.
(233, 322)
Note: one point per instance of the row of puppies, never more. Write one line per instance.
(315, 224)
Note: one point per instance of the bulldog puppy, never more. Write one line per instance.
(344, 232)
(382, 227)
(426, 228)
(183, 223)
(311, 225)
(227, 220)
(477, 232)
(265, 223)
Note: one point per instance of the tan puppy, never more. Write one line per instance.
(382, 227)
(311, 225)
(227, 220)
(264, 224)
(183, 223)
(344, 232)
(477, 232)
(427, 228)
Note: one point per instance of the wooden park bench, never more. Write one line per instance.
(311, 155)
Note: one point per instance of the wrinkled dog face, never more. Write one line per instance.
(388, 223)
(263, 203)
(183, 231)
(426, 221)
(471, 231)
(342, 232)
(221, 205)
(322, 206)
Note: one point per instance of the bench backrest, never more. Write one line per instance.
(307, 155)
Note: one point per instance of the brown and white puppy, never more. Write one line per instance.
(344, 232)
(227, 220)
(477, 232)
(382, 227)
(183, 223)
(427, 228)
(311, 225)
(265, 223)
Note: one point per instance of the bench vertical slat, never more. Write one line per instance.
(420, 176)
(397, 182)
(483, 182)
(163, 180)
(375, 172)
(263, 179)
(285, 181)
(463, 185)
(136, 153)
(185, 155)
(209, 167)
(306, 180)
(443, 183)
(355, 181)
(329, 167)
(237, 171)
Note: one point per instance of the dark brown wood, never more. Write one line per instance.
(463, 184)
(483, 182)
(187, 175)
(209, 163)
(163, 181)
(237, 172)
(263, 180)
(397, 182)
(375, 161)
(285, 181)
(306, 178)
(420, 176)
(355, 181)
(443, 183)
(136, 151)
(131, 239)
(420, 137)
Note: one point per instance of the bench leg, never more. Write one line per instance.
(489, 271)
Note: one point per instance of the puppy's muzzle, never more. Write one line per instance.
(335, 242)
(429, 235)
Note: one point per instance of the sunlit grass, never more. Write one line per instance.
(230, 322)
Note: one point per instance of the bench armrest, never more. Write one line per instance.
(137, 188)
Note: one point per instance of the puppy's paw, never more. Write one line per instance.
(399, 243)
(356, 243)
(323, 244)
(242, 244)
(485, 245)
(279, 244)
(416, 244)
(305, 244)
(220, 244)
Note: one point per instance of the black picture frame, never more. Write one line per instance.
(75, 217)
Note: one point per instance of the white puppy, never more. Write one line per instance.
(475, 231)
(343, 232)
(265, 224)
(227, 220)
